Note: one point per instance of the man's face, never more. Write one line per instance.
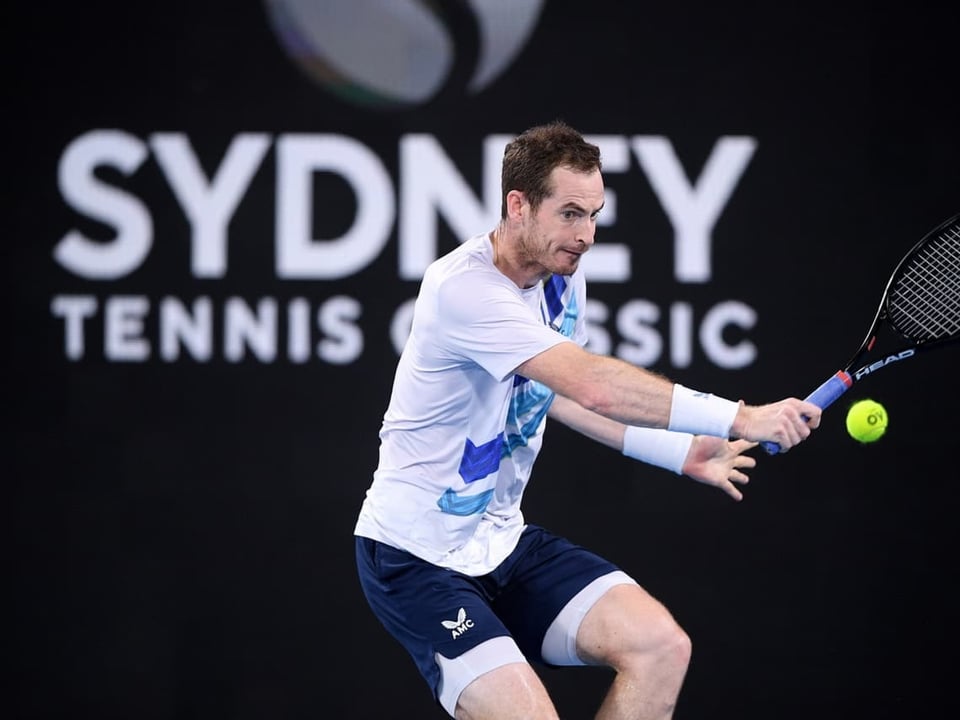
(563, 227)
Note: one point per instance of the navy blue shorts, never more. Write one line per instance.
(432, 610)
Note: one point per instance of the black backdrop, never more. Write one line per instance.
(182, 527)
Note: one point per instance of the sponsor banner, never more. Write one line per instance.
(195, 317)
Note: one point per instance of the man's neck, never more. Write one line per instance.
(505, 258)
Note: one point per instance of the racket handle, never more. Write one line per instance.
(822, 397)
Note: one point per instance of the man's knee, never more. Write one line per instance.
(656, 638)
(677, 647)
(628, 626)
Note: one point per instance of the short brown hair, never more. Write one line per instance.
(529, 159)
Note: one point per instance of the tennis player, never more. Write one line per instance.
(445, 557)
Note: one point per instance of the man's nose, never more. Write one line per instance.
(587, 232)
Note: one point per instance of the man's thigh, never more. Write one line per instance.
(540, 580)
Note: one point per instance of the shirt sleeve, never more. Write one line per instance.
(485, 320)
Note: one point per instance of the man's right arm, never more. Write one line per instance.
(633, 395)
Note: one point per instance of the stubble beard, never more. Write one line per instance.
(536, 255)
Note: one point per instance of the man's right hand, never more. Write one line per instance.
(786, 423)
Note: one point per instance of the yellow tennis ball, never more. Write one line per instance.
(866, 421)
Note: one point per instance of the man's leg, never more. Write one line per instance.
(509, 692)
(452, 634)
(632, 632)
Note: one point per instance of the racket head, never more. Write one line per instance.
(922, 299)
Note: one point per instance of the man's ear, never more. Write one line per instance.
(516, 201)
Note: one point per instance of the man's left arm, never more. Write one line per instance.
(709, 460)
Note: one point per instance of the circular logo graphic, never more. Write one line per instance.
(383, 53)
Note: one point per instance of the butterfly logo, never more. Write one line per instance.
(459, 626)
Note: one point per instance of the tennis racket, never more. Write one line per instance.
(919, 311)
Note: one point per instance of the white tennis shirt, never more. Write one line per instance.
(462, 430)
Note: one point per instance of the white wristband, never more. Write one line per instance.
(701, 413)
(656, 446)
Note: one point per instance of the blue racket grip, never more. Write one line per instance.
(822, 397)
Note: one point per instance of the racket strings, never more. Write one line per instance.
(924, 302)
